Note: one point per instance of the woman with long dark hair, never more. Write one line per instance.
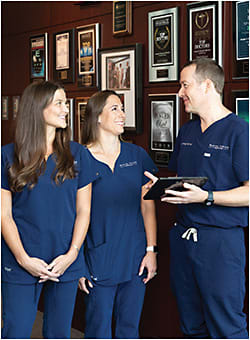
(121, 241)
(46, 197)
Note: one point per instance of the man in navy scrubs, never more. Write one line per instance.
(207, 241)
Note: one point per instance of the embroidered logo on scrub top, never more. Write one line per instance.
(186, 144)
(219, 147)
(125, 165)
(7, 269)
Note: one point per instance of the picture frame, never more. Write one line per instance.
(241, 104)
(5, 108)
(163, 28)
(80, 107)
(205, 30)
(240, 16)
(64, 56)
(70, 116)
(164, 126)
(122, 18)
(88, 43)
(39, 57)
(15, 105)
(121, 71)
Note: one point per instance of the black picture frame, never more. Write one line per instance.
(80, 107)
(205, 30)
(238, 99)
(122, 18)
(88, 43)
(164, 126)
(64, 56)
(124, 63)
(39, 57)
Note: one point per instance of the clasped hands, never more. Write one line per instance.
(193, 194)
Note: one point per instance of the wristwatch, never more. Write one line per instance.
(154, 249)
(210, 199)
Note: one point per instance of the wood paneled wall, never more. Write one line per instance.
(21, 19)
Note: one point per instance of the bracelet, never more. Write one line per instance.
(76, 247)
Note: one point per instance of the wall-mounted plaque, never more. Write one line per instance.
(164, 123)
(204, 31)
(5, 108)
(80, 104)
(64, 65)
(39, 57)
(88, 40)
(163, 45)
(240, 39)
(70, 116)
(122, 18)
(15, 103)
(241, 104)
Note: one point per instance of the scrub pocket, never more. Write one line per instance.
(99, 260)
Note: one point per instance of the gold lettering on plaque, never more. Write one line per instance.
(202, 20)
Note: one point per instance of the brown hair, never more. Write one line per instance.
(30, 139)
(94, 108)
(209, 69)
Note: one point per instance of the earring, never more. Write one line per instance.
(99, 120)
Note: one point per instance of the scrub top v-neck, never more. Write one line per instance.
(45, 215)
(223, 158)
(116, 239)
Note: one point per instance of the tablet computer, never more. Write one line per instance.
(173, 183)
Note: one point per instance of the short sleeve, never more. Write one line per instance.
(87, 173)
(241, 155)
(4, 170)
(173, 162)
(147, 165)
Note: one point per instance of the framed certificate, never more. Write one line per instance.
(70, 116)
(39, 57)
(205, 30)
(164, 125)
(163, 45)
(88, 40)
(240, 13)
(241, 104)
(121, 71)
(80, 105)
(122, 18)
(64, 65)
(5, 108)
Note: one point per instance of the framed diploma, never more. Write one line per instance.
(15, 105)
(122, 18)
(163, 45)
(64, 65)
(205, 30)
(70, 116)
(5, 108)
(88, 40)
(39, 57)
(241, 104)
(121, 71)
(80, 105)
(164, 125)
(241, 39)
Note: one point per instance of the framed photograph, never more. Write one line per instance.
(70, 116)
(121, 71)
(64, 61)
(39, 57)
(205, 30)
(122, 18)
(88, 41)
(240, 39)
(80, 105)
(163, 45)
(15, 103)
(164, 126)
(5, 107)
(241, 104)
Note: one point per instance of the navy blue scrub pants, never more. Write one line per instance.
(19, 309)
(208, 280)
(125, 300)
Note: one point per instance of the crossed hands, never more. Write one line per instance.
(39, 268)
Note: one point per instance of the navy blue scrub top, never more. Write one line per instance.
(45, 216)
(220, 153)
(116, 240)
